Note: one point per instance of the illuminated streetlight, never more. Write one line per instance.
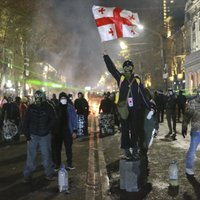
(9, 84)
(165, 75)
(88, 88)
(123, 45)
(141, 27)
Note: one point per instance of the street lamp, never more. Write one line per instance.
(141, 27)
(164, 65)
(123, 45)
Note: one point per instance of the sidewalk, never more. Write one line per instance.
(161, 153)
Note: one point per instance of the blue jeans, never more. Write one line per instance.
(44, 144)
(194, 142)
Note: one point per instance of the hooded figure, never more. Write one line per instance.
(106, 105)
(23, 108)
(38, 123)
(10, 120)
(171, 104)
(181, 101)
(128, 68)
(131, 92)
(65, 131)
(82, 109)
(54, 100)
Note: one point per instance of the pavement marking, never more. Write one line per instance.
(104, 180)
(91, 181)
(100, 178)
(105, 184)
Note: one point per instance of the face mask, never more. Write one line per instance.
(38, 100)
(63, 101)
(128, 69)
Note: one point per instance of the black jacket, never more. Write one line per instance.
(10, 111)
(39, 120)
(181, 100)
(81, 106)
(171, 103)
(106, 106)
(140, 101)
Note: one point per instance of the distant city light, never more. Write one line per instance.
(43, 89)
(140, 26)
(106, 73)
(88, 88)
(9, 84)
(123, 45)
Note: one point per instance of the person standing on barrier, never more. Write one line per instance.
(131, 91)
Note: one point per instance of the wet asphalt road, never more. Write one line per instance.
(84, 181)
(96, 175)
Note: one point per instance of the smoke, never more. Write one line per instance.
(69, 40)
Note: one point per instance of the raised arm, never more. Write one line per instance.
(112, 68)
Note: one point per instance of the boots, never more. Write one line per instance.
(168, 135)
(135, 154)
(127, 154)
(174, 136)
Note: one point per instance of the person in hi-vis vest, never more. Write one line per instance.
(131, 90)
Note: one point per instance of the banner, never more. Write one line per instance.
(113, 22)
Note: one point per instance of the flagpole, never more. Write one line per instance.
(104, 48)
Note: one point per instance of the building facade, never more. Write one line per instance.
(174, 33)
(192, 60)
(176, 62)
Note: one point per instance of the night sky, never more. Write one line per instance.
(78, 51)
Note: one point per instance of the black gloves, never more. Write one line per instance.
(184, 132)
(153, 106)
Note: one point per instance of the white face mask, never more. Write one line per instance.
(63, 101)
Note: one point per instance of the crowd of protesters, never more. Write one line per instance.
(173, 105)
(49, 123)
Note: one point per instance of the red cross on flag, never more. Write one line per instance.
(113, 22)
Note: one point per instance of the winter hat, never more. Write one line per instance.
(128, 63)
(63, 94)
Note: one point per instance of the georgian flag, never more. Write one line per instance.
(113, 22)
